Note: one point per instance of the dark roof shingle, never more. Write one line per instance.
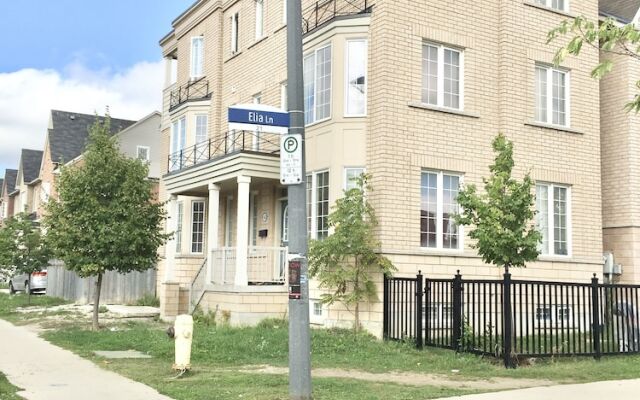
(10, 177)
(68, 138)
(30, 162)
(622, 10)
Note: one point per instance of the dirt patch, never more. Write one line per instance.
(409, 378)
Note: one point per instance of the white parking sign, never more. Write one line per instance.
(291, 159)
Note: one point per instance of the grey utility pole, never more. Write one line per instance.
(299, 332)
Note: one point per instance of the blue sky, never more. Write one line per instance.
(81, 56)
(111, 34)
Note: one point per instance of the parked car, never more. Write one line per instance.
(20, 282)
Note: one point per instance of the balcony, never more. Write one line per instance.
(326, 10)
(192, 91)
(233, 142)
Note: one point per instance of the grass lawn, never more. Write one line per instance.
(221, 356)
(7, 390)
(9, 303)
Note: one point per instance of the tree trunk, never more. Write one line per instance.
(356, 326)
(96, 302)
(29, 294)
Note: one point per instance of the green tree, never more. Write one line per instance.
(345, 261)
(106, 217)
(23, 248)
(608, 37)
(501, 216)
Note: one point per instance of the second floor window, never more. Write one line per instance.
(442, 79)
(553, 205)
(259, 19)
(142, 153)
(356, 85)
(439, 192)
(317, 85)
(235, 33)
(197, 58)
(178, 142)
(318, 205)
(561, 5)
(552, 96)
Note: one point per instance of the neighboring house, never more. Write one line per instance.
(66, 139)
(26, 179)
(620, 138)
(7, 187)
(397, 89)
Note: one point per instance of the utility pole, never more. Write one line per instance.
(299, 331)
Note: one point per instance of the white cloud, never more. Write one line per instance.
(27, 96)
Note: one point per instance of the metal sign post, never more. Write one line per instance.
(299, 331)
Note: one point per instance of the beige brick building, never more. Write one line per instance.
(413, 92)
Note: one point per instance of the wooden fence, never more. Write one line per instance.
(116, 288)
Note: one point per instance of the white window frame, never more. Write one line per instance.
(259, 16)
(550, 221)
(440, 83)
(313, 204)
(235, 33)
(346, 77)
(345, 176)
(313, 318)
(284, 12)
(148, 150)
(204, 226)
(179, 138)
(314, 54)
(549, 93)
(440, 211)
(197, 59)
(549, 4)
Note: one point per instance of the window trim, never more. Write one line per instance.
(315, 81)
(313, 318)
(204, 225)
(549, 93)
(440, 82)
(235, 33)
(345, 181)
(440, 211)
(313, 227)
(548, 4)
(346, 77)
(261, 20)
(147, 148)
(193, 75)
(550, 223)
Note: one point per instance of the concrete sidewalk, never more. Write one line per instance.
(47, 372)
(607, 390)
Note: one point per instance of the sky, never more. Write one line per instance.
(81, 56)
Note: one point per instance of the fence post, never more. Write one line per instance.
(427, 307)
(457, 311)
(387, 308)
(595, 311)
(507, 321)
(419, 308)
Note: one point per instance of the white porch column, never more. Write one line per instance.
(170, 249)
(212, 232)
(242, 231)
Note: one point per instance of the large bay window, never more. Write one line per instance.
(317, 85)
(356, 75)
(553, 205)
(318, 205)
(178, 142)
(552, 95)
(439, 192)
(442, 78)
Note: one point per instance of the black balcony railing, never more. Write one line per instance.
(230, 143)
(195, 90)
(323, 11)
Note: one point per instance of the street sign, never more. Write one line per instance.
(250, 117)
(291, 159)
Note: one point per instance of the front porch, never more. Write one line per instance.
(229, 215)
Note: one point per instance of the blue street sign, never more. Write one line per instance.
(254, 116)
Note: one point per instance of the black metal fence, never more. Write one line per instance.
(193, 90)
(231, 142)
(323, 11)
(514, 318)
